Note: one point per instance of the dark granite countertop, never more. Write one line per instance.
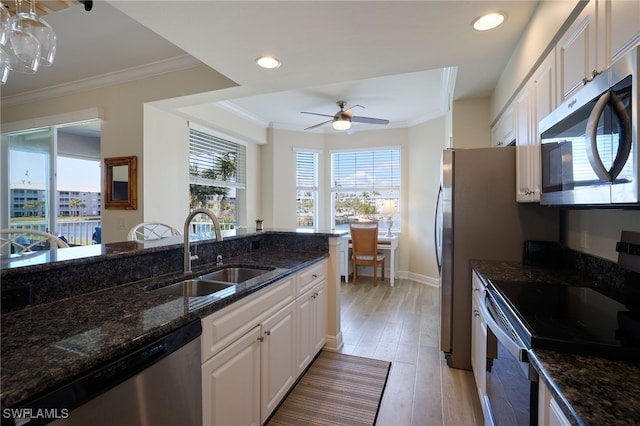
(45, 346)
(589, 390)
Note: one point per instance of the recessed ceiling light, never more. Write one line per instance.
(268, 62)
(488, 21)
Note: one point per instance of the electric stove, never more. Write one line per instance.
(572, 319)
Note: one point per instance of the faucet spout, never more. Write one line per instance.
(187, 222)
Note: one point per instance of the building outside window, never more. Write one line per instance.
(217, 175)
(307, 189)
(361, 182)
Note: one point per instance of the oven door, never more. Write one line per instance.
(512, 384)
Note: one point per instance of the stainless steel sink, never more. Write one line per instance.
(235, 274)
(193, 288)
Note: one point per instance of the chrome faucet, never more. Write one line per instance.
(187, 223)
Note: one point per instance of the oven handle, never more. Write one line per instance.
(517, 349)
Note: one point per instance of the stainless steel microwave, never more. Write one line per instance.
(589, 150)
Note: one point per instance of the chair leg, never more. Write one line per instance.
(382, 269)
(375, 274)
(355, 272)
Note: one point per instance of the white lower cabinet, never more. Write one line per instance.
(231, 383)
(251, 350)
(479, 344)
(312, 324)
(549, 412)
(278, 368)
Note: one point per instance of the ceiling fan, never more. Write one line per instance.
(342, 119)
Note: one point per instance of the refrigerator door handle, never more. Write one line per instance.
(437, 230)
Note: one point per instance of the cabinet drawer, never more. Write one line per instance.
(311, 276)
(222, 328)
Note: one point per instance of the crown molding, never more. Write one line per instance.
(243, 113)
(130, 74)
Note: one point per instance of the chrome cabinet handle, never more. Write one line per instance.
(476, 313)
(315, 275)
(260, 339)
(267, 333)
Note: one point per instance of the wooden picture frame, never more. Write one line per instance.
(120, 183)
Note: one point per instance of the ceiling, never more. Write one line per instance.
(396, 58)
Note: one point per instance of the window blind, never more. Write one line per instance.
(214, 161)
(366, 170)
(306, 171)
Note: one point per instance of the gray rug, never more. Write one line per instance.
(336, 390)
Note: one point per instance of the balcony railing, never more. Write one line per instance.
(76, 232)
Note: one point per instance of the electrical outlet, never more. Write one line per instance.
(583, 240)
(121, 223)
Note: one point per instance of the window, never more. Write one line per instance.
(53, 180)
(361, 182)
(216, 175)
(306, 189)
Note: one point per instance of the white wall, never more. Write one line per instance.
(165, 165)
(425, 144)
(470, 123)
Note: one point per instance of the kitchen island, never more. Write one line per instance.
(589, 390)
(48, 343)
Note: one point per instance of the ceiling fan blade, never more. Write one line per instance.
(319, 124)
(369, 120)
(315, 113)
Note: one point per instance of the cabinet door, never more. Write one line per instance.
(576, 53)
(278, 365)
(304, 323)
(320, 317)
(231, 384)
(525, 144)
(502, 133)
(622, 27)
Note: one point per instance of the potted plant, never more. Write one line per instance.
(259, 224)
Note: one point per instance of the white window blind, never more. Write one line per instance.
(214, 161)
(375, 171)
(307, 171)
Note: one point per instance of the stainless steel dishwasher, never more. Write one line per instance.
(157, 385)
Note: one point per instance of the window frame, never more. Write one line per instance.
(313, 187)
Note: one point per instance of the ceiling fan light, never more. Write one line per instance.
(268, 62)
(341, 124)
(488, 21)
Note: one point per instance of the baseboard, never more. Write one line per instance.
(334, 343)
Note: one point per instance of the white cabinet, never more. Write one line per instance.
(549, 412)
(478, 343)
(502, 133)
(251, 348)
(231, 383)
(535, 101)
(619, 28)
(312, 324)
(278, 359)
(312, 313)
(576, 54)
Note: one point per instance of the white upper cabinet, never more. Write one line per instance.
(619, 28)
(502, 133)
(535, 101)
(577, 54)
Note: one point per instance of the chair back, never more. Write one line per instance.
(364, 237)
(19, 240)
(151, 231)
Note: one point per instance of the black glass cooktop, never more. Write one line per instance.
(572, 319)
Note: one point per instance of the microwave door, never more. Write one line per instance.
(608, 103)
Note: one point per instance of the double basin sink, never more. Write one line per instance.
(214, 282)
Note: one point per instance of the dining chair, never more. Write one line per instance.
(364, 242)
(146, 231)
(20, 240)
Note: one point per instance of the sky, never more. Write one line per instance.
(31, 167)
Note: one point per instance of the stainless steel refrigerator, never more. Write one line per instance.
(478, 218)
